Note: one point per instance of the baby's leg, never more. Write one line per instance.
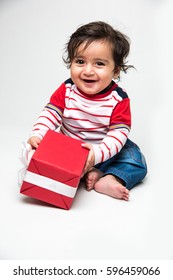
(112, 186)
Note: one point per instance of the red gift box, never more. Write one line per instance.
(54, 172)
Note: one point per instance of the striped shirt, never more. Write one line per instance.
(104, 119)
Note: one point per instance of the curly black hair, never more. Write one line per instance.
(99, 30)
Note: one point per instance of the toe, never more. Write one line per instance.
(126, 197)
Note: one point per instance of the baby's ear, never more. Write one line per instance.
(116, 72)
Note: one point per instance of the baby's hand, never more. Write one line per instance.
(91, 158)
(34, 141)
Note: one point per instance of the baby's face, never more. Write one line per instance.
(92, 69)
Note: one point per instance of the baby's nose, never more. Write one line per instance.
(88, 70)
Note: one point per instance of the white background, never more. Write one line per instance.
(32, 39)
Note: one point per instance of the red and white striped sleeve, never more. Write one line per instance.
(51, 116)
(117, 135)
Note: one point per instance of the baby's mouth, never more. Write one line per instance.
(88, 81)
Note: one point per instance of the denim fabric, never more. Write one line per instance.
(129, 165)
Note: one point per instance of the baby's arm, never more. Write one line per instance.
(117, 135)
(50, 117)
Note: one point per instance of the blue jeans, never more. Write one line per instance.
(129, 165)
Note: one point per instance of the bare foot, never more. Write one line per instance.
(111, 186)
(92, 177)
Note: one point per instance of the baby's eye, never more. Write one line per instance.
(79, 61)
(100, 63)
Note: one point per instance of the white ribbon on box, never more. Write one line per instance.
(49, 184)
